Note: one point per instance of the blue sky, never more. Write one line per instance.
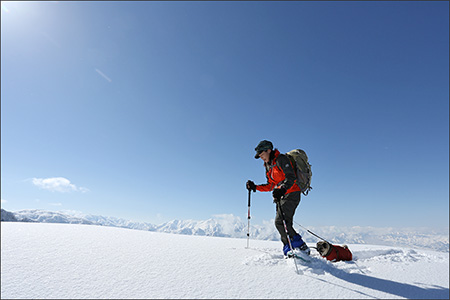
(151, 111)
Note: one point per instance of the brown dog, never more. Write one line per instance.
(334, 252)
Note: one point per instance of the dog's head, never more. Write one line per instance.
(324, 248)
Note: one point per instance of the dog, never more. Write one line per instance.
(334, 253)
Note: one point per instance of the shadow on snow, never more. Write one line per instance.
(392, 287)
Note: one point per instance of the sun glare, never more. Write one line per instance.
(4, 8)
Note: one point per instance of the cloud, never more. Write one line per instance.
(4, 201)
(57, 184)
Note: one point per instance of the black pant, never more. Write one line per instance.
(288, 204)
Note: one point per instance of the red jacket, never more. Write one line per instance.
(279, 173)
(339, 253)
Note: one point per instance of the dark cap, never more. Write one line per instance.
(263, 146)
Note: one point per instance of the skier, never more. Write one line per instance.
(281, 180)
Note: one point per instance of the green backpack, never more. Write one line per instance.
(302, 169)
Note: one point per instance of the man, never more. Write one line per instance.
(282, 181)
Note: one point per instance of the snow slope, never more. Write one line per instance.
(46, 260)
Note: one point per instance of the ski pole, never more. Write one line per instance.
(312, 233)
(248, 218)
(286, 230)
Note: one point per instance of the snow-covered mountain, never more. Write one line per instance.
(116, 222)
(228, 225)
(8, 216)
(72, 261)
(43, 216)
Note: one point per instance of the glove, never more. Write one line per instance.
(251, 186)
(278, 193)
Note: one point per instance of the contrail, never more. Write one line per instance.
(103, 75)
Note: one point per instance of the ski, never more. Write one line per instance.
(301, 258)
(297, 256)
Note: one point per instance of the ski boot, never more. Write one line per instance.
(299, 245)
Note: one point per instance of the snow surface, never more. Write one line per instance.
(47, 260)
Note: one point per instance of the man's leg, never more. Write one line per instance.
(288, 204)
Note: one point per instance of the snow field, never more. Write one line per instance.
(63, 261)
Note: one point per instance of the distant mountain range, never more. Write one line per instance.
(232, 226)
